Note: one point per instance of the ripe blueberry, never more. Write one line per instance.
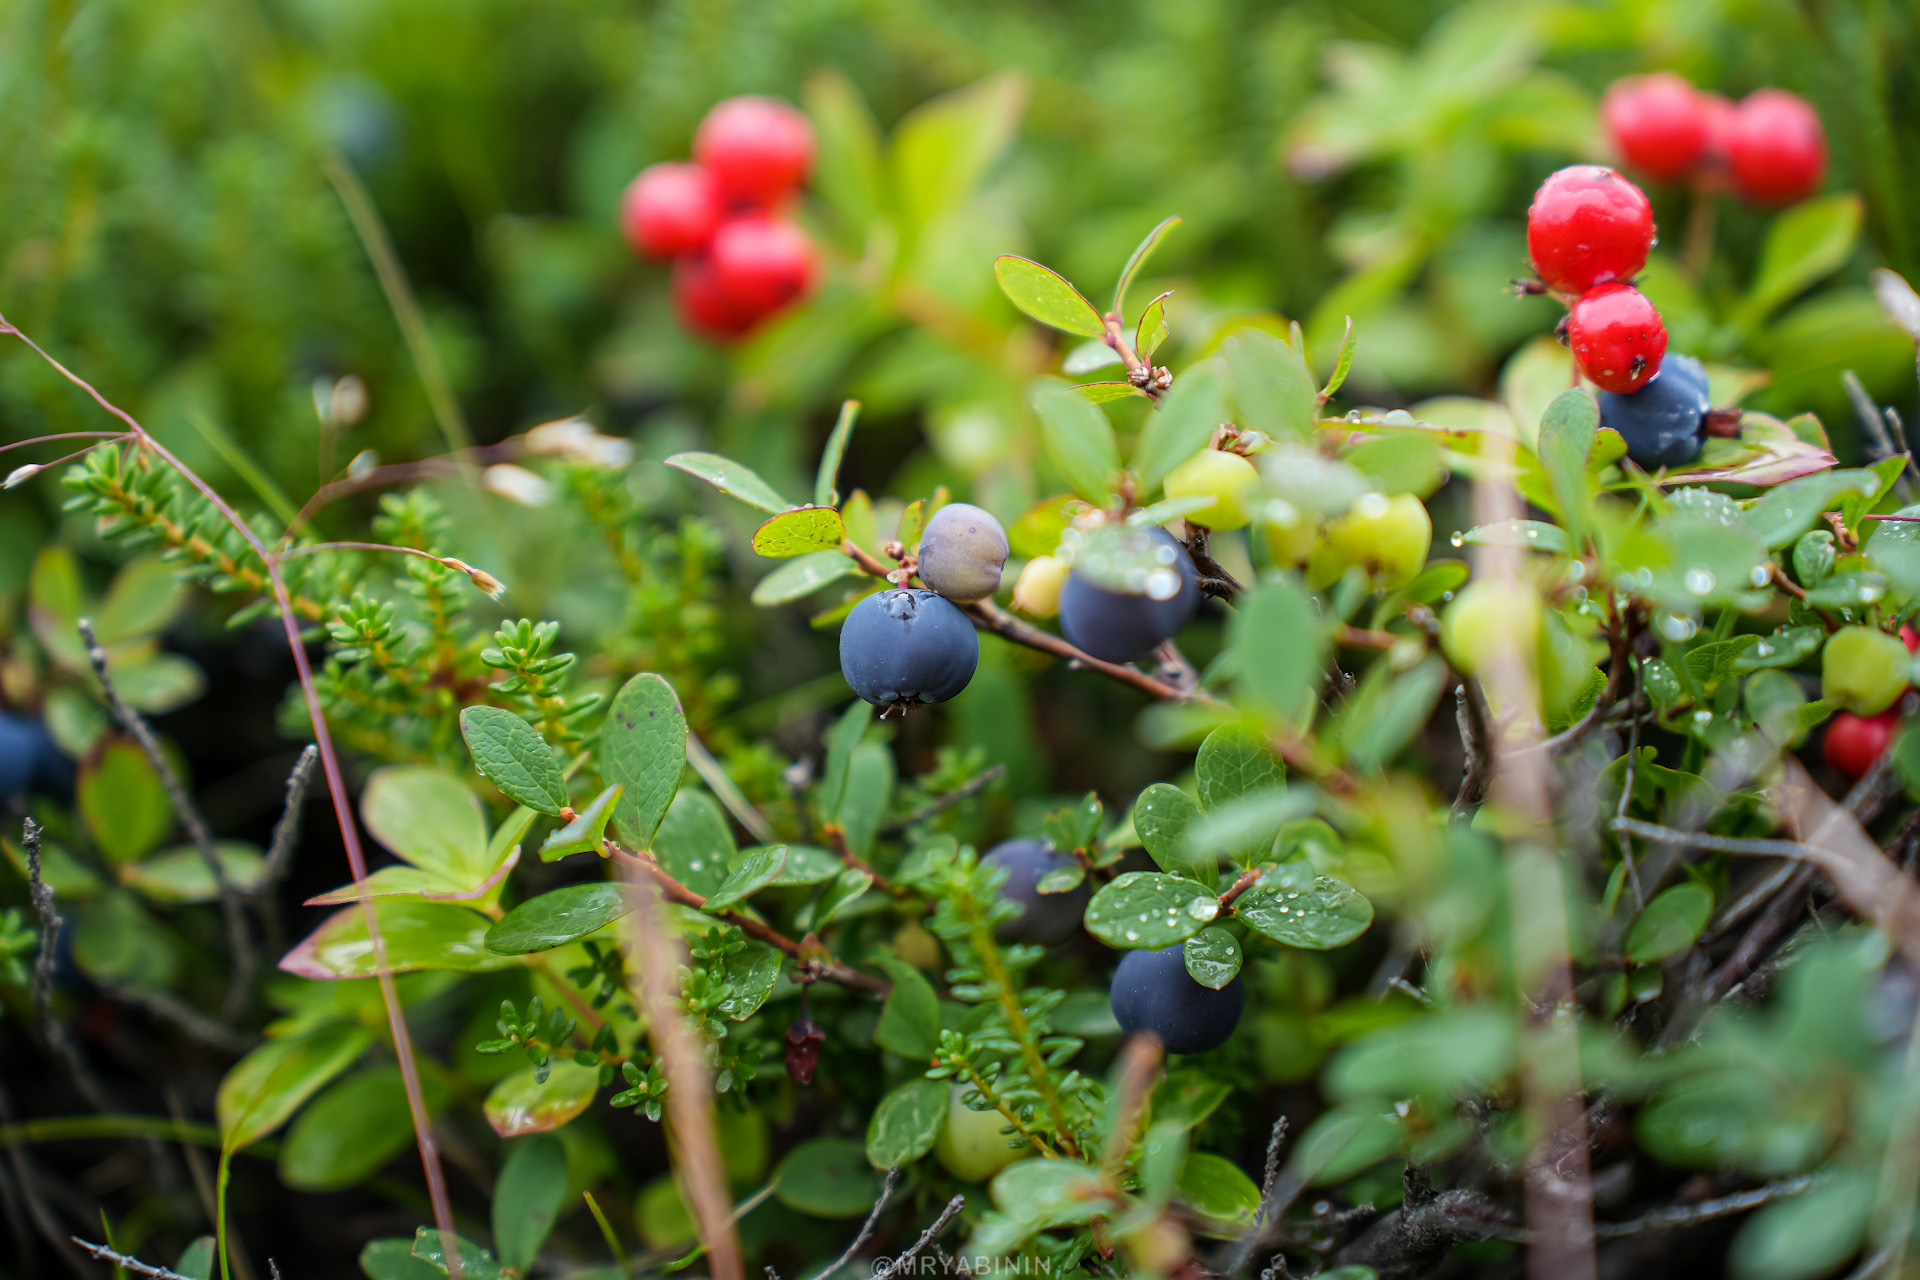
(1618, 337)
(1661, 421)
(1152, 991)
(1227, 478)
(29, 760)
(1046, 918)
(1588, 225)
(1864, 670)
(1777, 148)
(962, 552)
(763, 261)
(758, 148)
(903, 648)
(1658, 124)
(670, 209)
(705, 306)
(1854, 743)
(1118, 627)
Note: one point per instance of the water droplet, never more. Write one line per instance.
(1457, 540)
(1760, 575)
(1703, 717)
(1699, 581)
(1533, 533)
(1133, 935)
(1675, 627)
(1870, 593)
(1371, 506)
(1763, 650)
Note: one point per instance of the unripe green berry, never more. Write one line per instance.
(971, 1144)
(1291, 533)
(1864, 670)
(1228, 478)
(1490, 617)
(1388, 537)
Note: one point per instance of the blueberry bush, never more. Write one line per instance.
(1370, 737)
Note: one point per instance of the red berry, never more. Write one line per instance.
(1910, 638)
(1658, 124)
(670, 209)
(1778, 149)
(764, 261)
(758, 148)
(1588, 225)
(1618, 337)
(705, 305)
(1854, 743)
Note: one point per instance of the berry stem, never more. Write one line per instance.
(1701, 217)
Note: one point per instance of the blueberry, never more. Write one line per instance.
(1152, 991)
(1116, 627)
(962, 552)
(902, 648)
(1661, 421)
(1046, 918)
(19, 755)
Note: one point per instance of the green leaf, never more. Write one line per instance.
(944, 147)
(1894, 549)
(122, 803)
(1078, 440)
(1152, 329)
(1046, 1193)
(1807, 1235)
(1138, 259)
(799, 532)
(266, 1087)
(907, 1123)
(1092, 354)
(1107, 392)
(695, 842)
(1389, 710)
(751, 873)
(870, 779)
(910, 1020)
(520, 1104)
(1046, 296)
(1437, 1056)
(392, 1259)
(806, 864)
(142, 600)
(1567, 432)
(840, 894)
(558, 917)
(847, 172)
(429, 818)
(180, 874)
(1233, 762)
(827, 1178)
(1277, 647)
(1783, 514)
(475, 1263)
(587, 831)
(1186, 419)
(1292, 905)
(1218, 1191)
(1161, 817)
(803, 576)
(1145, 910)
(1534, 535)
(643, 750)
(730, 478)
(752, 973)
(417, 935)
(1273, 386)
(511, 754)
(824, 492)
(1244, 828)
(1213, 957)
(1670, 923)
(349, 1132)
(196, 1261)
(842, 739)
(1343, 365)
(1813, 239)
(527, 1198)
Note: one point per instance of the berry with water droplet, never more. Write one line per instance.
(1152, 991)
(1587, 226)
(1117, 626)
(906, 648)
(1661, 422)
(1618, 337)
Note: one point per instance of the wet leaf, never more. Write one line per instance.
(730, 478)
(907, 1123)
(643, 750)
(511, 754)
(1294, 906)
(752, 872)
(1213, 957)
(558, 917)
(520, 1105)
(1146, 910)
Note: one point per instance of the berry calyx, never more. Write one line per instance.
(1777, 148)
(670, 209)
(1587, 226)
(706, 306)
(1618, 337)
(1657, 123)
(1855, 743)
(1227, 478)
(758, 148)
(1661, 422)
(762, 261)
(1864, 670)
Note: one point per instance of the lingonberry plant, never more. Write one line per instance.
(1469, 905)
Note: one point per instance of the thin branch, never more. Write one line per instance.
(965, 791)
(241, 981)
(1470, 713)
(1263, 1215)
(1674, 1217)
(919, 1246)
(486, 582)
(1714, 844)
(101, 1253)
(866, 1229)
(722, 786)
(59, 1038)
(286, 832)
(198, 1026)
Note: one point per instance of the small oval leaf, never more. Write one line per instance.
(1147, 910)
(800, 532)
(1046, 296)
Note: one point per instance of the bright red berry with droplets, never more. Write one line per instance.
(671, 209)
(1657, 123)
(1618, 336)
(705, 305)
(1855, 743)
(764, 261)
(1778, 150)
(758, 148)
(1587, 226)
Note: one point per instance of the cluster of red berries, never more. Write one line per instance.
(736, 259)
(1770, 146)
(1855, 743)
(1589, 231)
